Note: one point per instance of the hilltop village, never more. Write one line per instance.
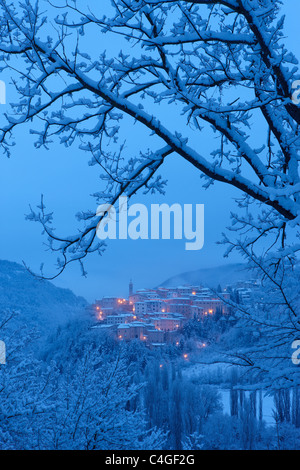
(157, 316)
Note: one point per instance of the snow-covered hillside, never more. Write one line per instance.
(39, 304)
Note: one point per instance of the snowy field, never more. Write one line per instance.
(217, 375)
(268, 406)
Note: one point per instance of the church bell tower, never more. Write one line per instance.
(130, 288)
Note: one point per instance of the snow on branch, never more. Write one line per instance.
(219, 65)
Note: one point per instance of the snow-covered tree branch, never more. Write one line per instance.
(220, 65)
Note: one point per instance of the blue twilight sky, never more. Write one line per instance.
(66, 181)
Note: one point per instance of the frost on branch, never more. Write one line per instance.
(219, 65)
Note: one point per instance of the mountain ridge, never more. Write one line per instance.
(37, 303)
(210, 277)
